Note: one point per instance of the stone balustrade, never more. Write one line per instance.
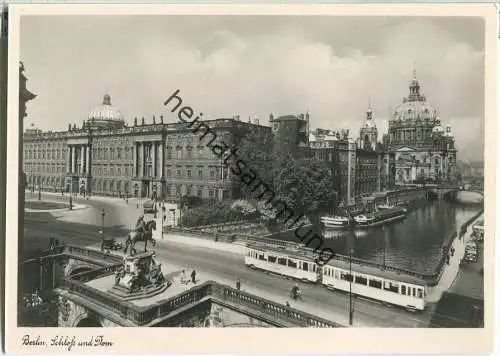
(163, 308)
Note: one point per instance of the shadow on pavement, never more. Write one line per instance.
(457, 311)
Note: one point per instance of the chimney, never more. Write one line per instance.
(143, 122)
(135, 121)
(161, 119)
(154, 120)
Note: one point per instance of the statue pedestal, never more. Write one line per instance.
(140, 277)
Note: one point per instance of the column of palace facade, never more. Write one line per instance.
(148, 179)
(78, 179)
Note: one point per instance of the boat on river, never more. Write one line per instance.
(336, 222)
(380, 217)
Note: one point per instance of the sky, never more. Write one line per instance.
(252, 66)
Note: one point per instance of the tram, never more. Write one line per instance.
(282, 261)
(386, 286)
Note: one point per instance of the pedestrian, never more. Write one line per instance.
(193, 276)
(183, 277)
(238, 284)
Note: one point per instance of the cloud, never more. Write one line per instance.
(257, 66)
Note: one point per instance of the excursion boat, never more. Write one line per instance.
(385, 207)
(380, 217)
(335, 222)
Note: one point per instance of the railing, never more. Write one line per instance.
(91, 253)
(277, 310)
(96, 273)
(163, 308)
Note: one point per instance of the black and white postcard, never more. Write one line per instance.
(251, 167)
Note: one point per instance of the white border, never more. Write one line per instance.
(307, 341)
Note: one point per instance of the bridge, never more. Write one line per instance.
(76, 275)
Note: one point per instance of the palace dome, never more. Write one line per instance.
(105, 116)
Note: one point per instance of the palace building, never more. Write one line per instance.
(424, 150)
(105, 156)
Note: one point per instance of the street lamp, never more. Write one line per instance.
(351, 307)
(71, 195)
(163, 217)
(103, 213)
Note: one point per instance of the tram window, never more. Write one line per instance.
(393, 287)
(271, 259)
(337, 274)
(305, 266)
(292, 263)
(413, 291)
(314, 268)
(262, 257)
(420, 293)
(361, 280)
(282, 261)
(403, 290)
(375, 283)
(346, 277)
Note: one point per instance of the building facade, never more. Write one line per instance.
(291, 134)
(104, 156)
(359, 168)
(424, 151)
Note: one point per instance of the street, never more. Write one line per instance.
(226, 266)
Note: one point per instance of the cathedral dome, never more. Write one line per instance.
(105, 115)
(415, 106)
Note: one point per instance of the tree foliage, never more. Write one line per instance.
(306, 185)
(255, 149)
(214, 212)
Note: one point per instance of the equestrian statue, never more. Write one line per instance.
(143, 232)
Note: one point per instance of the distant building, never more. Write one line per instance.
(335, 149)
(291, 133)
(423, 149)
(104, 156)
(359, 168)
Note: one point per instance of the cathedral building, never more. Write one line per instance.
(424, 150)
(105, 156)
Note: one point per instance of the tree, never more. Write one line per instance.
(255, 149)
(306, 185)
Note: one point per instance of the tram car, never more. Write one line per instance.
(282, 261)
(373, 283)
(369, 282)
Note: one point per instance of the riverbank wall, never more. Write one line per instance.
(430, 279)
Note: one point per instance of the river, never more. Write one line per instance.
(414, 243)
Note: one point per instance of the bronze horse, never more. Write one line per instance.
(135, 236)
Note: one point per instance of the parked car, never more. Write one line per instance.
(149, 207)
(111, 244)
